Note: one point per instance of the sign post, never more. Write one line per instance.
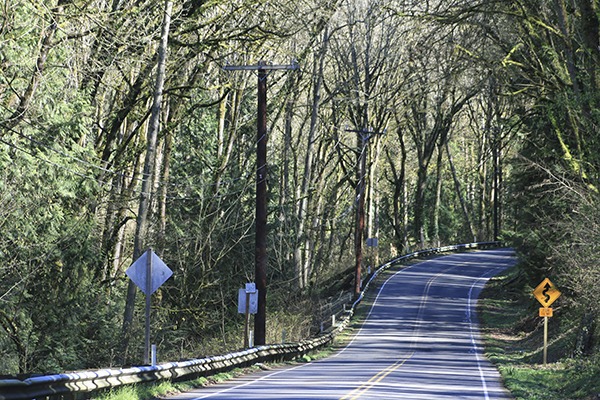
(546, 293)
(247, 304)
(148, 272)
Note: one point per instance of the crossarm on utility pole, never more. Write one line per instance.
(267, 67)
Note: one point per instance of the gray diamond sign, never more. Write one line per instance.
(159, 272)
(148, 273)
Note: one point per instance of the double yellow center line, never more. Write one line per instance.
(358, 392)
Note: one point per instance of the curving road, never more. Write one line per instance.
(419, 341)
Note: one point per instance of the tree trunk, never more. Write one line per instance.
(463, 204)
(361, 186)
(400, 209)
(144, 204)
(419, 205)
(163, 191)
(40, 64)
(373, 214)
(438, 198)
(301, 240)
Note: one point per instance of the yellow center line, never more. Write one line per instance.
(356, 393)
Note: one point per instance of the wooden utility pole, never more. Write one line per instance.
(361, 184)
(497, 156)
(260, 273)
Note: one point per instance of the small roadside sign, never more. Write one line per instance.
(251, 287)
(250, 299)
(247, 304)
(546, 293)
(148, 272)
(545, 312)
(372, 242)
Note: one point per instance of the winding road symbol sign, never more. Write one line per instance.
(546, 293)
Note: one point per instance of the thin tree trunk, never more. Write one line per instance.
(301, 240)
(163, 190)
(225, 156)
(419, 205)
(361, 186)
(40, 64)
(400, 194)
(144, 204)
(438, 198)
(284, 186)
(373, 215)
(463, 204)
(221, 115)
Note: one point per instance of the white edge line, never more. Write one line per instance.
(373, 306)
(471, 327)
(206, 396)
(357, 334)
(251, 382)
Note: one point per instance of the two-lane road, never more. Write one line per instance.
(419, 341)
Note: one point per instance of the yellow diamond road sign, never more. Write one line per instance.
(546, 293)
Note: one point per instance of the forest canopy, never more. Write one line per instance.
(120, 129)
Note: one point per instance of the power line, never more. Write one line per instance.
(101, 182)
(99, 167)
(14, 146)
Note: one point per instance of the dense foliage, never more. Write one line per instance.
(473, 119)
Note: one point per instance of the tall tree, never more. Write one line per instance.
(149, 171)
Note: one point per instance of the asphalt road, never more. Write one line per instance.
(419, 341)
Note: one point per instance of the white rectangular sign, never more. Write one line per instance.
(253, 303)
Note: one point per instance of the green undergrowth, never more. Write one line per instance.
(513, 335)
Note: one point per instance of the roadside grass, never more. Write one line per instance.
(156, 390)
(513, 338)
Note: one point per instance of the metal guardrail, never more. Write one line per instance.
(424, 253)
(70, 384)
(87, 381)
(329, 313)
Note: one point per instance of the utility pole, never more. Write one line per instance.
(260, 255)
(497, 156)
(361, 184)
